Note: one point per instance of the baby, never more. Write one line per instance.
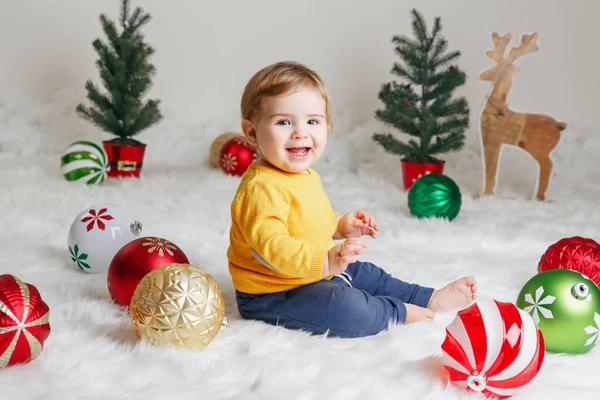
(283, 261)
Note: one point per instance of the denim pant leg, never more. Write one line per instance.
(375, 281)
(330, 307)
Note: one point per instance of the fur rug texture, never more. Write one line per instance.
(92, 352)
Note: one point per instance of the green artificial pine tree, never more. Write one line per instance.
(422, 106)
(126, 73)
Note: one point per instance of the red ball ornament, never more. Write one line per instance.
(137, 258)
(24, 321)
(574, 253)
(493, 348)
(236, 156)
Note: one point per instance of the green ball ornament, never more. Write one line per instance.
(564, 304)
(434, 195)
(84, 161)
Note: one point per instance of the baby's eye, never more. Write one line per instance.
(313, 122)
(283, 122)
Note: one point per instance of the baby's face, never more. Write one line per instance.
(291, 130)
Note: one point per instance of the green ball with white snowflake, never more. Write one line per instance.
(565, 305)
(86, 162)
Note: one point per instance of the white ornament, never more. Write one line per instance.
(96, 235)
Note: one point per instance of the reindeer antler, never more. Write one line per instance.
(528, 45)
(500, 43)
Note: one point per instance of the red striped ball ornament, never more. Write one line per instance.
(24, 321)
(493, 348)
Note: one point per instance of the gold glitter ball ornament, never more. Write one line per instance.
(178, 305)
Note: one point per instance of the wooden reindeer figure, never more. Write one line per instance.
(536, 134)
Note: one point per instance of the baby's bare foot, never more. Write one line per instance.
(416, 314)
(456, 295)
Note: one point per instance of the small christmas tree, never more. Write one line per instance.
(126, 73)
(426, 111)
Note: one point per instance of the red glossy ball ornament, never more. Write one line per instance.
(137, 258)
(24, 321)
(574, 253)
(236, 156)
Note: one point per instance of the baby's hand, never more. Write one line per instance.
(356, 224)
(343, 254)
(417, 314)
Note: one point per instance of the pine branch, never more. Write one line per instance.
(437, 28)
(149, 116)
(419, 27)
(439, 47)
(451, 143)
(404, 73)
(448, 58)
(109, 29)
(393, 145)
(124, 13)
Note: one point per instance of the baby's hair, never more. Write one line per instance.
(278, 79)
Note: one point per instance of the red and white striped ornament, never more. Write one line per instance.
(24, 321)
(494, 348)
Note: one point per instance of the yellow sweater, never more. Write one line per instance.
(282, 226)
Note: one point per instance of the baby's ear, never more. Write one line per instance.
(249, 131)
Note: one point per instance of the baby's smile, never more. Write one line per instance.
(298, 153)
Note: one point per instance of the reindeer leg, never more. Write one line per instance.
(545, 170)
(491, 153)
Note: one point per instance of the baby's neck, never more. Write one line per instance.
(262, 161)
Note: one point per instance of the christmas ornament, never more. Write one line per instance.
(494, 348)
(434, 195)
(178, 305)
(217, 144)
(97, 233)
(134, 260)
(575, 253)
(84, 161)
(564, 304)
(24, 321)
(537, 134)
(236, 156)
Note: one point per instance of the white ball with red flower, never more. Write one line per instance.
(96, 235)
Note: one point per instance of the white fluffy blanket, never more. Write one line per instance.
(92, 352)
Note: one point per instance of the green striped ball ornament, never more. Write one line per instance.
(434, 195)
(84, 161)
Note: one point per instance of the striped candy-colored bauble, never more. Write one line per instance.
(494, 348)
(24, 321)
(84, 161)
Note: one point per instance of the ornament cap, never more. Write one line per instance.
(477, 381)
(135, 227)
(224, 324)
(580, 291)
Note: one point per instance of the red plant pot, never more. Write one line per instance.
(125, 160)
(411, 171)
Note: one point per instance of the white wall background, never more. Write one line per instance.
(207, 50)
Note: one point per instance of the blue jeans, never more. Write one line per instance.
(360, 302)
